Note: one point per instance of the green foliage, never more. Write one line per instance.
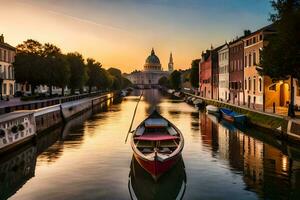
(126, 83)
(78, 74)
(175, 80)
(163, 81)
(117, 79)
(28, 63)
(194, 75)
(281, 57)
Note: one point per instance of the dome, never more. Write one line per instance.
(152, 62)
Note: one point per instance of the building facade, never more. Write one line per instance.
(253, 81)
(224, 73)
(7, 78)
(236, 71)
(151, 74)
(205, 75)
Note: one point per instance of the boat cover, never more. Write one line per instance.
(156, 137)
(156, 122)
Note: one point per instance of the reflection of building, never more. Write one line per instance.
(16, 170)
(152, 72)
(7, 77)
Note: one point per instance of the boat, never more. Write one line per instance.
(232, 116)
(157, 144)
(212, 109)
(171, 185)
(177, 94)
(199, 103)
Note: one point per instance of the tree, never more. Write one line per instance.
(78, 75)
(163, 81)
(94, 73)
(28, 64)
(175, 80)
(56, 68)
(126, 83)
(194, 75)
(116, 77)
(280, 59)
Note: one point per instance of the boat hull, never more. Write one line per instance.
(155, 167)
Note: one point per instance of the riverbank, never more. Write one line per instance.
(278, 126)
(19, 127)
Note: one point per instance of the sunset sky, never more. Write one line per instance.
(121, 33)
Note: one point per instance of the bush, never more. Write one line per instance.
(14, 129)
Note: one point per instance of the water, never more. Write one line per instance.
(88, 159)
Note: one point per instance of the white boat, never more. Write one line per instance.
(212, 109)
(15, 128)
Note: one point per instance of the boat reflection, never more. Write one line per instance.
(171, 185)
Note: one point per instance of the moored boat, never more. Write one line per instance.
(199, 103)
(212, 109)
(157, 144)
(232, 116)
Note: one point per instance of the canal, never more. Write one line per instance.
(88, 159)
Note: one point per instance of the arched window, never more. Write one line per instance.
(245, 61)
(260, 84)
(245, 84)
(254, 58)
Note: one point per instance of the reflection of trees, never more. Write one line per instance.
(16, 169)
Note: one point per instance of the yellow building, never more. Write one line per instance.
(7, 78)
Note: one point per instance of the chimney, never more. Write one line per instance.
(1, 38)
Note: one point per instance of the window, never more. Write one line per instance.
(249, 64)
(249, 83)
(245, 61)
(298, 88)
(260, 84)
(254, 84)
(254, 58)
(245, 84)
(260, 37)
(254, 40)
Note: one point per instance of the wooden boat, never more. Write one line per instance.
(157, 144)
(232, 116)
(171, 185)
(212, 109)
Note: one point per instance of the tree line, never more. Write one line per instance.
(45, 64)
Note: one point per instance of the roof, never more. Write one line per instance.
(7, 46)
(268, 28)
(153, 59)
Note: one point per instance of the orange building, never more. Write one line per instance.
(254, 83)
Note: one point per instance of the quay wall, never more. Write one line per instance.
(44, 119)
(279, 126)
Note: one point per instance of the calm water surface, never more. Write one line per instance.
(88, 159)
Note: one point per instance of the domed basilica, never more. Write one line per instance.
(152, 72)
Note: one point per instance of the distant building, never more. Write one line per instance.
(224, 73)
(236, 71)
(171, 64)
(151, 74)
(7, 77)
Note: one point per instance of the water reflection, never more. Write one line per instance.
(266, 170)
(170, 186)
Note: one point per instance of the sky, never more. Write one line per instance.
(121, 33)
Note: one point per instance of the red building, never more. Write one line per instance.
(205, 75)
(236, 71)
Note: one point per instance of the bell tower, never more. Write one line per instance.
(171, 64)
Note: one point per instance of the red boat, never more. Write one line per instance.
(157, 144)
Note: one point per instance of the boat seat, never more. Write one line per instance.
(167, 144)
(146, 150)
(144, 144)
(165, 150)
(140, 131)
